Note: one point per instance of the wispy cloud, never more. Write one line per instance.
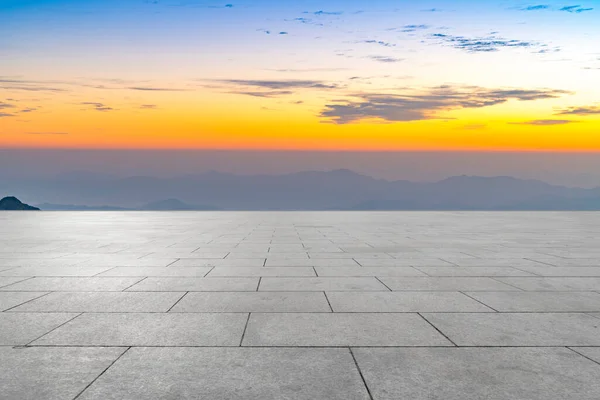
(97, 106)
(545, 122)
(574, 9)
(321, 12)
(148, 106)
(413, 28)
(583, 111)
(428, 103)
(577, 9)
(385, 59)
(6, 105)
(156, 89)
(485, 44)
(271, 88)
(535, 7)
(378, 42)
(6, 115)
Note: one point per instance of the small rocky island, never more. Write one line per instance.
(13, 204)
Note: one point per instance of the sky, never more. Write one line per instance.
(326, 75)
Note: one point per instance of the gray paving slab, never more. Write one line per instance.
(149, 329)
(240, 262)
(368, 271)
(9, 300)
(406, 262)
(474, 271)
(54, 271)
(73, 284)
(497, 262)
(101, 302)
(189, 284)
(321, 284)
(518, 329)
(21, 328)
(539, 301)
(227, 373)
(51, 373)
(475, 374)
(198, 302)
(261, 271)
(9, 280)
(157, 271)
(555, 284)
(338, 329)
(452, 284)
(593, 353)
(386, 302)
(563, 271)
(312, 262)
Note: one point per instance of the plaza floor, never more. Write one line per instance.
(300, 305)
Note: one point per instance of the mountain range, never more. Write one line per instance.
(330, 190)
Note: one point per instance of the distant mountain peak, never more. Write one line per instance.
(11, 203)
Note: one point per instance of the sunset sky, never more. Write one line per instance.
(302, 75)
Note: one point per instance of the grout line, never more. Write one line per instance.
(245, 327)
(102, 373)
(25, 302)
(316, 273)
(504, 283)
(388, 288)
(14, 283)
(209, 271)
(480, 302)
(360, 373)
(130, 286)
(327, 298)
(436, 328)
(259, 281)
(168, 265)
(109, 269)
(177, 301)
(583, 355)
(52, 330)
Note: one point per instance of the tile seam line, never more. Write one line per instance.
(28, 301)
(480, 302)
(582, 355)
(437, 329)
(361, 374)
(177, 302)
(101, 373)
(52, 330)
(245, 328)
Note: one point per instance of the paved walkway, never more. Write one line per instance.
(331, 305)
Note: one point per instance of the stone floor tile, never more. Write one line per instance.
(73, 284)
(157, 271)
(238, 262)
(189, 284)
(21, 328)
(539, 301)
(386, 302)
(321, 284)
(149, 329)
(227, 373)
(54, 271)
(198, 302)
(51, 373)
(338, 329)
(9, 300)
(555, 284)
(101, 302)
(478, 373)
(368, 271)
(563, 271)
(452, 284)
(518, 329)
(473, 271)
(261, 271)
(592, 353)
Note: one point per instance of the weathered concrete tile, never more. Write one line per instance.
(9, 280)
(198, 302)
(51, 373)
(452, 284)
(518, 329)
(228, 373)
(21, 328)
(304, 329)
(189, 284)
(563, 271)
(149, 329)
(540, 301)
(73, 284)
(12, 299)
(321, 284)
(261, 271)
(473, 271)
(54, 271)
(555, 284)
(238, 262)
(157, 271)
(387, 302)
(101, 302)
(368, 271)
(485, 373)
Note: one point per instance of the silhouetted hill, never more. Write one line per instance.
(13, 204)
(332, 190)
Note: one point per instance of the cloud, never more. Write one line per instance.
(321, 12)
(545, 122)
(148, 106)
(5, 115)
(280, 84)
(413, 28)
(428, 103)
(27, 110)
(97, 106)
(535, 8)
(432, 10)
(577, 9)
(5, 105)
(583, 111)
(156, 89)
(273, 93)
(385, 59)
(484, 44)
(378, 42)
